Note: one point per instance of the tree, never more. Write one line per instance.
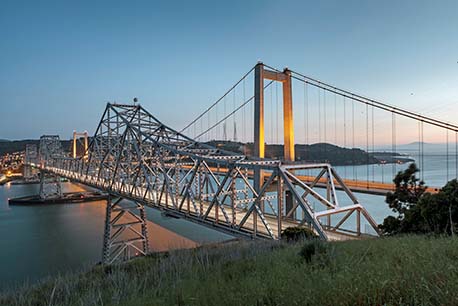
(419, 211)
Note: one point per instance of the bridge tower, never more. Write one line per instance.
(50, 149)
(31, 157)
(76, 138)
(261, 74)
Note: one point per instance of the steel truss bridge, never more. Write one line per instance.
(139, 161)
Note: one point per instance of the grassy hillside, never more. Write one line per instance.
(412, 270)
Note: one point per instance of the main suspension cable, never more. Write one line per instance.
(231, 113)
(365, 100)
(217, 101)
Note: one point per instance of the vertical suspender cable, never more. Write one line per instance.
(271, 115)
(345, 130)
(319, 122)
(393, 130)
(217, 119)
(306, 123)
(355, 174)
(325, 124)
(225, 121)
(373, 148)
(422, 152)
(446, 148)
(306, 98)
(456, 154)
(419, 146)
(233, 118)
(208, 122)
(308, 113)
(367, 145)
(278, 113)
(201, 125)
(305, 113)
(243, 115)
(335, 119)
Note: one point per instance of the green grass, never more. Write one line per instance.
(410, 270)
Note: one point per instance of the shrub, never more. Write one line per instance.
(320, 252)
(293, 234)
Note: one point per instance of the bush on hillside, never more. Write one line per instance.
(297, 233)
(419, 211)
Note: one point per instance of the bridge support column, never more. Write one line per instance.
(259, 141)
(261, 74)
(288, 124)
(76, 135)
(284, 77)
(50, 185)
(31, 156)
(125, 234)
(288, 131)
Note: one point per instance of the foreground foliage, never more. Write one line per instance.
(410, 270)
(418, 211)
(296, 233)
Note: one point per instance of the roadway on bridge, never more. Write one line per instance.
(216, 217)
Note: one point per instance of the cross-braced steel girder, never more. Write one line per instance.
(50, 148)
(136, 157)
(30, 160)
(50, 185)
(126, 234)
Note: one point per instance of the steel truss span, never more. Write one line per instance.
(133, 156)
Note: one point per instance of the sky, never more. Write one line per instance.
(62, 61)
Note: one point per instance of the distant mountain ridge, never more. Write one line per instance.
(11, 146)
(314, 153)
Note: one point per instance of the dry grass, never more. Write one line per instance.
(411, 270)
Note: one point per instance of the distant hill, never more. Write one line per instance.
(314, 153)
(10, 146)
(15, 145)
(415, 143)
(426, 147)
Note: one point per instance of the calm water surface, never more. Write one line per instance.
(39, 241)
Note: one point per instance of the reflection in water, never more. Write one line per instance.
(36, 241)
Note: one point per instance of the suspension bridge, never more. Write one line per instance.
(239, 166)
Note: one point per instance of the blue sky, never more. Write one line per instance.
(61, 61)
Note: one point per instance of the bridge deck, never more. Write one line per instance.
(375, 188)
(216, 217)
(360, 186)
